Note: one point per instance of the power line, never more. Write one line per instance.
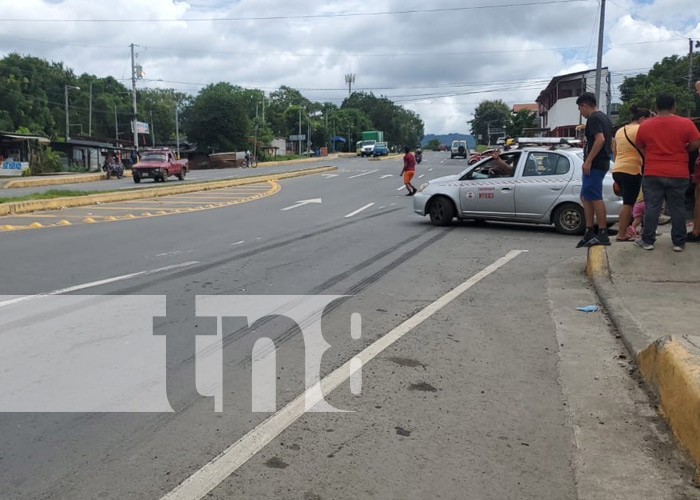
(287, 17)
(337, 55)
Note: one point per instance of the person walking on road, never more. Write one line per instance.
(627, 169)
(665, 141)
(409, 170)
(595, 165)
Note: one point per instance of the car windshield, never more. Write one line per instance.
(369, 143)
(153, 157)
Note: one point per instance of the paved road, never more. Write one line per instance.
(193, 176)
(502, 391)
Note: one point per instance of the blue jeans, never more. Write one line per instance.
(672, 190)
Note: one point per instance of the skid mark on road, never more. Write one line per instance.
(140, 209)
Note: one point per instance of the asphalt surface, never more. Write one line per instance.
(483, 399)
(192, 176)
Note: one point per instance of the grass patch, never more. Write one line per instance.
(285, 158)
(47, 195)
(480, 148)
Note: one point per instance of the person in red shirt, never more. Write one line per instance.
(409, 170)
(665, 141)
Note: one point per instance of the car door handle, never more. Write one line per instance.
(556, 188)
(506, 189)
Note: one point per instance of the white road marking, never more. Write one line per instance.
(237, 243)
(359, 210)
(174, 253)
(383, 206)
(430, 170)
(421, 176)
(199, 484)
(392, 204)
(96, 283)
(385, 176)
(402, 187)
(365, 173)
(301, 203)
(329, 176)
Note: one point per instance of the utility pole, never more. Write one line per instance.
(116, 124)
(153, 132)
(299, 131)
(177, 131)
(263, 108)
(599, 62)
(349, 80)
(133, 90)
(90, 117)
(255, 137)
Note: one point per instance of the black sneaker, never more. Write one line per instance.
(594, 242)
(583, 241)
(603, 239)
(693, 238)
(409, 194)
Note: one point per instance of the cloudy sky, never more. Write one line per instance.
(438, 58)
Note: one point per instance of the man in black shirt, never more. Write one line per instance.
(596, 164)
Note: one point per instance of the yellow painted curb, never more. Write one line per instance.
(597, 262)
(674, 372)
(22, 207)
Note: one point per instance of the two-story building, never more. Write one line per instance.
(557, 102)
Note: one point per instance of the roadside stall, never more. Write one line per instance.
(17, 151)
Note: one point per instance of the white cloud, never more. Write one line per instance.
(504, 53)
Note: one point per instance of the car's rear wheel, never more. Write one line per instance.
(181, 175)
(164, 176)
(441, 211)
(569, 219)
(137, 178)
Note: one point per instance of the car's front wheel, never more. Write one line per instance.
(441, 211)
(569, 219)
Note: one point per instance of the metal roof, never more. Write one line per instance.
(25, 137)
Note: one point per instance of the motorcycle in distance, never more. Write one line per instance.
(419, 155)
(113, 167)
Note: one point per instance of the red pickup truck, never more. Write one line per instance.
(159, 164)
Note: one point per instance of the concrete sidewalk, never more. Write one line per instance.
(652, 299)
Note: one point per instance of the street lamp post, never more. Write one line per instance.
(65, 89)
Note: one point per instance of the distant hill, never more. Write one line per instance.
(447, 139)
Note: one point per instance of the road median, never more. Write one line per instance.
(21, 207)
(649, 308)
(57, 180)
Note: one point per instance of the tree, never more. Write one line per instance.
(490, 115)
(217, 119)
(669, 75)
(519, 121)
(433, 144)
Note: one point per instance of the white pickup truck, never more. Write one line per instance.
(368, 148)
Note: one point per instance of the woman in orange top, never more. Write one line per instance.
(627, 168)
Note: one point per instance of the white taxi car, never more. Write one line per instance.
(544, 187)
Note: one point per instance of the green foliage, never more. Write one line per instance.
(669, 75)
(44, 160)
(433, 144)
(221, 117)
(47, 195)
(400, 126)
(519, 121)
(496, 112)
(217, 119)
